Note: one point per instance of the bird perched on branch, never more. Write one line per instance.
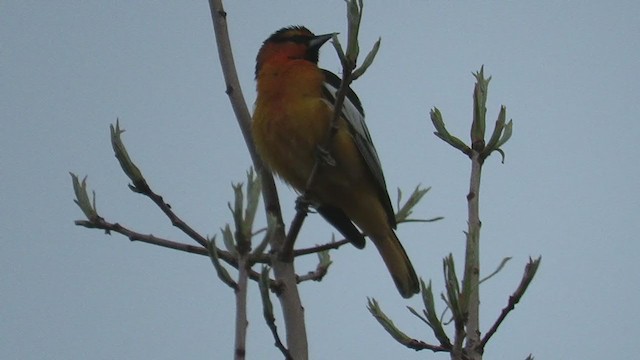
(293, 114)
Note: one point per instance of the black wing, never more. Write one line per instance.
(340, 221)
(353, 113)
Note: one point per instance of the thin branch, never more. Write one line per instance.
(421, 345)
(529, 272)
(175, 219)
(154, 240)
(329, 246)
(150, 239)
(139, 186)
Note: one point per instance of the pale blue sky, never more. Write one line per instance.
(567, 72)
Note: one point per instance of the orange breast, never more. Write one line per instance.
(290, 119)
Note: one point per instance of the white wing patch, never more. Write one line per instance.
(355, 118)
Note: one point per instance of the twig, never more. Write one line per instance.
(150, 239)
(154, 240)
(529, 272)
(139, 186)
(315, 249)
(175, 220)
(421, 345)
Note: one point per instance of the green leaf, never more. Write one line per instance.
(478, 126)
(324, 259)
(497, 132)
(368, 60)
(452, 286)
(406, 210)
(432, 316)
(223, 274)
(497, 270)
(386, 323)
(254, 190)
(414, 312)
(501, 134)
(229, 241)
(506, 135)
(354, 16)
(271, 227)
(238, 203)
(129, 168)
(82, 198)
(442, 133)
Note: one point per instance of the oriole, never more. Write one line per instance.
(293, 112)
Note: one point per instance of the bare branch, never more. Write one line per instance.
(529, 272)
(315, 249)
(148, 238)
(108, 227)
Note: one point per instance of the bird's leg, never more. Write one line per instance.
(302, 203)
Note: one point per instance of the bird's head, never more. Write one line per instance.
(294, 42)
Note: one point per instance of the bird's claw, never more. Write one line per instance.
(302, 204)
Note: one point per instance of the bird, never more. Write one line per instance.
(292, 115)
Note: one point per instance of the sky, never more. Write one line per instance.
(567, 191)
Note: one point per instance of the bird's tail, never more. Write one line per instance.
(398, 263)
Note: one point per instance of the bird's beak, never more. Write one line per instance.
(317, 41)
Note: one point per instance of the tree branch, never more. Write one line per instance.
(471, 280)
(316, 249)
(241, 309)
(289, 297)
(529, 272)
(154, 240)
(150, 239)
(175, 220)
(421, 345)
